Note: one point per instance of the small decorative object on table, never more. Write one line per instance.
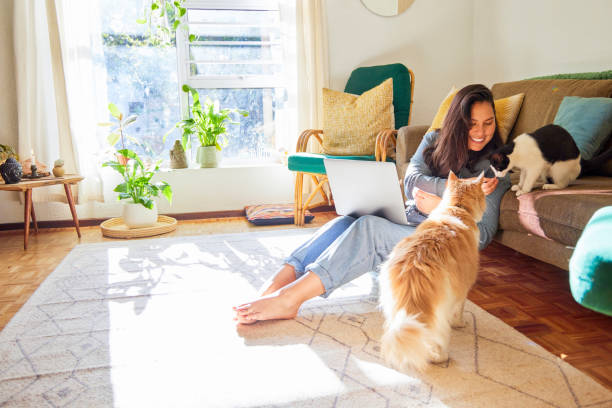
(11, 171)
(58, 168)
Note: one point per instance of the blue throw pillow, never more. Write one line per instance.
(588, 120)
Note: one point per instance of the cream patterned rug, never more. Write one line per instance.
(149, 324)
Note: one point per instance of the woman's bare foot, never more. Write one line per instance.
(282, 304)
(283, 277)
(273, 306)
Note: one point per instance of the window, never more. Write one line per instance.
(140, 79)
(241, 57)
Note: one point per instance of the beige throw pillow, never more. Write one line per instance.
(351, 122)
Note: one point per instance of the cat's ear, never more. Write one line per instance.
(451, 176)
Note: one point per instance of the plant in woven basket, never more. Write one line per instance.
(137, 185)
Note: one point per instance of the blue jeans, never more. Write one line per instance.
(346, 248)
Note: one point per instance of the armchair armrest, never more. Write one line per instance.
(408, 140)
(385, 144)
(303, 139)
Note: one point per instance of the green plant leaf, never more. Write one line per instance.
(141, 21)
(147, 202)
(120, 168)
(182, 11)
(113, 138)
(124, 196)
(192, 37)
(114, 110)
(129, 120)
(176, 24)
(121, 188)
(167, 191)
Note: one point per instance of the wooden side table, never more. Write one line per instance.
(26, 185)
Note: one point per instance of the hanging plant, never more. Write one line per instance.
(163, 18)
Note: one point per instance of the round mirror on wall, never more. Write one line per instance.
(387, 8)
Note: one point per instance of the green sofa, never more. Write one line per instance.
(543, 224)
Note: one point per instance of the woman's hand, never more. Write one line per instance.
(489, 184)
(425, 202)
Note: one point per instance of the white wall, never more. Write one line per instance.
(195, 190)
(8, 105)
(433, 38)
(519, 39)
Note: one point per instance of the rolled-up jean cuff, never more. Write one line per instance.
(297, 265)
(324, 276)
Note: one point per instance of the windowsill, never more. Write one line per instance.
(227, 166)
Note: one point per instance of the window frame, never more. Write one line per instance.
(227, 81)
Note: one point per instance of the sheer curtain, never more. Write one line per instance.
(61, 91)
(313, 70)
(84, 71)
(36, 102)
(313, 62)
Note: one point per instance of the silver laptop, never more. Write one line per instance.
(362, 187)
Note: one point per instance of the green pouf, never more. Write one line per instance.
(591, 264)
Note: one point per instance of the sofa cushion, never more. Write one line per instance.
(559, 215)
(588, 120)
(543, 97)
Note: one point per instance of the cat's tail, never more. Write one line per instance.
(403, 343)
(593, 164)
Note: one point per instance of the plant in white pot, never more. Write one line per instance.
(140, 210)
(208, 123)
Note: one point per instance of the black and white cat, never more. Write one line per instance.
(550, 154)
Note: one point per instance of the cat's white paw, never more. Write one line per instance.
(520, 192)
(438, 355)
(550, 187)
(458, 323)
(515, 187)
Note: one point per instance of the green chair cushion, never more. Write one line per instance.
(365, 78)
(591, 264)
(313, 163)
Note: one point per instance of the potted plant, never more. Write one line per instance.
(119, 133)
(208, 122)
(140, 210)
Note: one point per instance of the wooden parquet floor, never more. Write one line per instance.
(529, 295)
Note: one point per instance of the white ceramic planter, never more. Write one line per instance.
(139, 216)
(207, 156)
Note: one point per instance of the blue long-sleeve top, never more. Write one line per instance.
(419, 175)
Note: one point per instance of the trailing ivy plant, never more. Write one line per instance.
(163, 18)
(207, 122)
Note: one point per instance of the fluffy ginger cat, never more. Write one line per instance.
(425, 281)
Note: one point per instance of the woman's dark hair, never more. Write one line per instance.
(450, 151)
